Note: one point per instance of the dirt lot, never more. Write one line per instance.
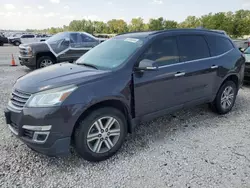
(190, 148)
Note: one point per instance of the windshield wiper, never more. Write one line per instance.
(88, 65)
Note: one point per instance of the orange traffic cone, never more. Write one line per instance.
(13, 63)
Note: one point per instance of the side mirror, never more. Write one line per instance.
(147, 65)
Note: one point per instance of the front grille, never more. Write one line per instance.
(19, 99)
(28, 134)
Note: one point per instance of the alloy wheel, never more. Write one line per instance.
(227, 97)
(46, 63)
(103, 134)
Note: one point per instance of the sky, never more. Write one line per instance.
(40, 14)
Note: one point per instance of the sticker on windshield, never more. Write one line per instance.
(131, 40)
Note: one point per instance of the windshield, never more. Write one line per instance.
(57, 42)
(111, 53)
(58, 37)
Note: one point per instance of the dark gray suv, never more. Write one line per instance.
(125, 80)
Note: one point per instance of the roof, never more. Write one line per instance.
(145, 34)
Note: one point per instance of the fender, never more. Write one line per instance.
(118, 99)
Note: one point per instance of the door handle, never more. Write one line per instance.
(178, 74)
(214, 67)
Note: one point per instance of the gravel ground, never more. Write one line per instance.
(190, 148)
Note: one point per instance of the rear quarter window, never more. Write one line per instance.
(192, 47)
(219, 45)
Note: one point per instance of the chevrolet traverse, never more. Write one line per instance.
(121, 82)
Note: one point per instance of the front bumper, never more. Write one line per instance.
(27, 61)
(45, 130)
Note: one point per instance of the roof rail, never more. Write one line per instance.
(177, 29)
(134, 32)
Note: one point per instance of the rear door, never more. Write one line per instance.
(198, 67)
(25, 39)
(220, 48)
(31, 38)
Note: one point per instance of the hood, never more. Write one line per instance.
(37, 46)
(57, 76)
(34, 44)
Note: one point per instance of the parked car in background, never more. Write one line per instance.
(120, 83)
(247, 66)
(65, 46)
(242, 43)
(15, 39)
(3, 40)
(31, 38)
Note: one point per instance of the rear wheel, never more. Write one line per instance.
(225, 98)
(45, 61)
(1, 43)
(101, 134)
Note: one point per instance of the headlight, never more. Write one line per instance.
(28, 51)
(53, 97)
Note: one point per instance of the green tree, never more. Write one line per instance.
(241, 23)
(190, 22)
(136, 24)
(75, 25)
(170, 24)
(100, 27)
(156, 24)
(117, 26)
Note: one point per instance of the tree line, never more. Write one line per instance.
(236, 24)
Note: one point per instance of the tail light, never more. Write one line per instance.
(248, 44)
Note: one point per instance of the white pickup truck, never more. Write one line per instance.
(31, 38)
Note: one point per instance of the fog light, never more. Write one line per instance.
(40, 137)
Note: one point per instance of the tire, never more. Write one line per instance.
(17, 43)
(217, 105)
(85, 148)
(1, 43)
(41, 62)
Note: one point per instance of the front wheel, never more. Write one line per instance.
(45, 61)
(225, 98)
(101, 134)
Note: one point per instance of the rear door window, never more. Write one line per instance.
(163, 51)
(75, 40)
(218, 45)
(192, 47)
(28, 36)
(86, 38)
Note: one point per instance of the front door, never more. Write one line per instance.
(176, 82)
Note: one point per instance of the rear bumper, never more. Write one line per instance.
(27, 61)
